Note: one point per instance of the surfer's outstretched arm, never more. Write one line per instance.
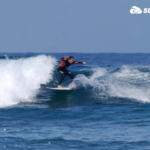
(75, 62)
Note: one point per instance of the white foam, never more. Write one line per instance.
(21, 78)
(128, 82)
(93, 80)
(98, 72)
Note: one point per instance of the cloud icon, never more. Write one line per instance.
(135, 10)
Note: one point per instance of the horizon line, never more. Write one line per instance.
(78, 52)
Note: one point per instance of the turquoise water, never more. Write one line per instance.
(108, 110)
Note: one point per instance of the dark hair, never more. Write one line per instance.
(70, 57)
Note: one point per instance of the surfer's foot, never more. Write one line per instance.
(59, 86)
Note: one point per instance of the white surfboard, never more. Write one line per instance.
(64, 88)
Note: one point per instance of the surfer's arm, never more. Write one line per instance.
(75, 62)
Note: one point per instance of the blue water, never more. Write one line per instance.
(109, 109)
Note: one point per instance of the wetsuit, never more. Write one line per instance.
(62, 69)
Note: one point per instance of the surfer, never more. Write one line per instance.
(62, 68)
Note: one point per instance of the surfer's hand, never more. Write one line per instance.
(83, 62)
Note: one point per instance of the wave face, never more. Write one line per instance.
(110, 78)
(21, 78)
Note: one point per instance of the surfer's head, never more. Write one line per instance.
(71, 59)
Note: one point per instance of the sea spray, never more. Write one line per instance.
(129, 82)
(21, 78)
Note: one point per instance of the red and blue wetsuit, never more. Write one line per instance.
(62, 69)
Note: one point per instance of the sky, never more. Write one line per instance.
(86, 26)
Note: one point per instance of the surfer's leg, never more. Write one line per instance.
(71, 77)
(69, 73)
(62, 77)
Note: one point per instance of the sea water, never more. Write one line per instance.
(108, 110)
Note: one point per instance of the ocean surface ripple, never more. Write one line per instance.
(108, 110)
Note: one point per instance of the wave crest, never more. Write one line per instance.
(21, 78)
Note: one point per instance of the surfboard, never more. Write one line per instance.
(64, 88)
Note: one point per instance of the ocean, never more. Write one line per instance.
(109, 110)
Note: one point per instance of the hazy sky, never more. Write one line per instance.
(73, 26)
